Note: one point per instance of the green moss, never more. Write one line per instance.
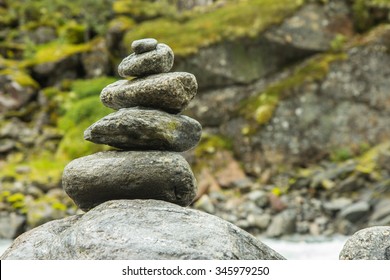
(367, 161)
(234, 20)
(85, 111)
(210, 143)
(144, 9)
(73, 144)
(341, 154)
(90, 87)
(121, 24)
(21, 77)
(260, 108)
(172, 125)
(55, 51)
(338, 42)
(377, 3)
(44, 170)
(77, 118)
(73, 32)
(17, 201)
(363, 17)
(15, 197)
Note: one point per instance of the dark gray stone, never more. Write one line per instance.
(368, 244)
(118, 230)
(337, 204)
(313, 27)
(11, 224)
(139, 129)
(170, 92)
(144, 45)
(283, 223)
(356, 211)
(103, 176)
(155, 61)
(381, 214)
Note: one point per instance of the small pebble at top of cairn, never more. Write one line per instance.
(148, 130)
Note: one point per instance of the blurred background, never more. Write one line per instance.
(293, 97)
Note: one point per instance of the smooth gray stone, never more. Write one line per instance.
(156, 61)
(355, 211)
(170, 92)
(109, 175)
(139, 230)
(140, 129)
(368, 244)
(144, 45)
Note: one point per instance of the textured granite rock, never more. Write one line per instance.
(139, 129)
(170, 92)
(155, 61)
(144, 45)
(118, 230)
(368, 244)
(104, 176)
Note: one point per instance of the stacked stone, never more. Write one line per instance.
(148, 131)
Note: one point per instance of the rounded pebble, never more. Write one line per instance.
(144, 45)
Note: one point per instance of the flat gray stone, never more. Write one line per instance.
(170, 92)
(139, 129)
(368, 244)
(139, 230)
(355, 211)
(282, 223)
(144, 45)
(155, 61)
(104, 176)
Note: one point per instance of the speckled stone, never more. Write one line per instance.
(139, 129)
(111, 175)
(156, 61)
(371, 243)
(171, 92)
(144, 45)
(139, 230)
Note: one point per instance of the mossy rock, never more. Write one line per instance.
(260, 108)
(234, 20)
(121, 24)
(20, 77)
(80, 111)
(73, 32)
(43, 171)
(55, 51)
(143, 10)
(211, 143)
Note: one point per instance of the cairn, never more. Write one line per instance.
(131, 187)
(148, 131)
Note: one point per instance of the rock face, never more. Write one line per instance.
(368, 244)
(137, 229)
(138, 129)
(103, 176)
(170, 92)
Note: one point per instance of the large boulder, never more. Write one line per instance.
(118, 230)
(368, 244)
